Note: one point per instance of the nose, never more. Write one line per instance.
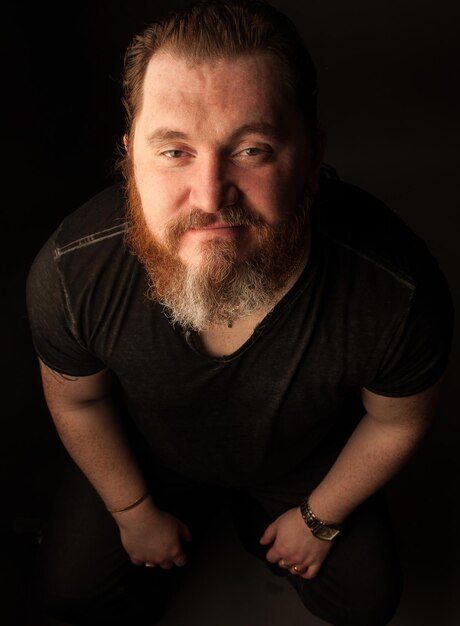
(211, 187)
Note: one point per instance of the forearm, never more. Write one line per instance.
(95, 440)
(372, 456)
(90, 429)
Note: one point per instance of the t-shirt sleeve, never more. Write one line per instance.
(419, 350)
(53, 325)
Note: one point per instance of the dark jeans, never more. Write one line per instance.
(85, 576)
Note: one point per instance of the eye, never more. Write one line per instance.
(255, 155)
(173, 154)
(251, 152)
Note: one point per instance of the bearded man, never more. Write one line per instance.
(232, 326)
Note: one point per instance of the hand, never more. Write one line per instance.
(294, 544)
(150, 535)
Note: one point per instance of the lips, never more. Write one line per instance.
(216, 227)
(225, 221)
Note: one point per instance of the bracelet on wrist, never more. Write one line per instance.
(327, 531)
(130, 506)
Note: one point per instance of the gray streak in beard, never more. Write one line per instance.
(224, 287)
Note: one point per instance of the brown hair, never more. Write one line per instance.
(226, 29)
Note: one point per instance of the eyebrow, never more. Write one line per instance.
(165, 134)
(259, 128)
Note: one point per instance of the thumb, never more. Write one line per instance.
(269, 535)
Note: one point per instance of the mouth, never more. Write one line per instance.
(217, 227)
(217, 231)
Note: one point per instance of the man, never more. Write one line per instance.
(233, 325)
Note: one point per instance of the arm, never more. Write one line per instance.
(382, 442)
(89, 429)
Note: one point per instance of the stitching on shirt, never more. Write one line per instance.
(73, 321)
(113, 231)
(402, 278)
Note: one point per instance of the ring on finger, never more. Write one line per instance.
(297, 569)
(147, 564)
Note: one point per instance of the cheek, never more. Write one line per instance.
(162, 196)
(275, 197)
(291, 188)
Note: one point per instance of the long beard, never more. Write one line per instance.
(224, 287)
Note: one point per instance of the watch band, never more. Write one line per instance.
(327, 531)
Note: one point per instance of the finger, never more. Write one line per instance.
(273, 556)
(284, 564)
(180, 561)
(166, 565)
(184, 533)
(311, 572)
(268, 536)
(136, 561)
(298, 570)
(178, 557)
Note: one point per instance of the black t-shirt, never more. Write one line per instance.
(371, 309)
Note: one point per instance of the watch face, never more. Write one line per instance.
(327, 533)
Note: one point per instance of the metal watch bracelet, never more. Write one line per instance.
(326, 531)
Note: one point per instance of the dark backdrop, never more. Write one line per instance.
(389, 101)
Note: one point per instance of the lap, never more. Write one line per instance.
(84, 568)
(84, 574)
(360, 580)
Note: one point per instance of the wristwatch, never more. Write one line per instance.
(327, 531)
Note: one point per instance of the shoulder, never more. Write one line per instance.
(384, 287)
(86, 248)
(363, 227)
(81, 284)
(102, 217)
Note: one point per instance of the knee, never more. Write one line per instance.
(376, 612)
(352, 606)
(362, 614)
(139, 597)
(92, 611)
(71, 610)
(75, 602)
(375, 603)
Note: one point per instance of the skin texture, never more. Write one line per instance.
(90, 431)
(220, 133)
(208, 135)
(383, 441)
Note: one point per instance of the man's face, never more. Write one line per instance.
(214, 134)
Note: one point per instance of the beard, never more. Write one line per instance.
(227, 285)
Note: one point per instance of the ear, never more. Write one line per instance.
(126, 141)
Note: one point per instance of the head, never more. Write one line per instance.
(227, 30)
(222, 155)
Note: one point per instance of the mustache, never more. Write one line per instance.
(231, 215)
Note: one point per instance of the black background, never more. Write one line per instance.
(389, 102)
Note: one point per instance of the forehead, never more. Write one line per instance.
(222, 92)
